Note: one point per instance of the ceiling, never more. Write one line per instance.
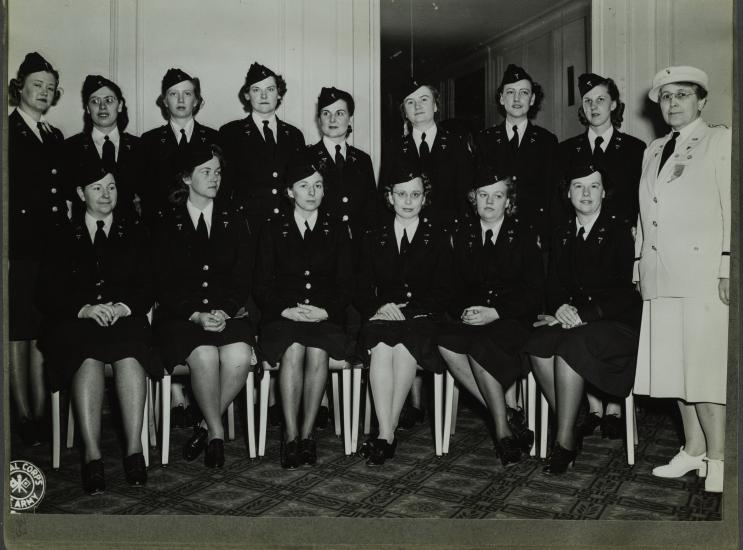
(444, 30)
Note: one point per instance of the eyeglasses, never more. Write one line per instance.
(97, 101)
(522, 93)
(680, 95)
(403, 195)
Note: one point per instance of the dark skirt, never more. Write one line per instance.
(24, 320)
(417, 335)
(276, 336)
(67, 344)
(177, 338)
(604, 353)
(496, 346)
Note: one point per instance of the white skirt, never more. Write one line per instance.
(683, 349)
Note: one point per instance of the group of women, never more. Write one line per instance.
(252, 248)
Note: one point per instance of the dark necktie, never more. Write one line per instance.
(598, 152)
(307, 230)
(109, 155)
(404, 243)
(515, 139)
(99, 239)
(339, 160)
(488, 244)
(668, 150)
(424, 150)
(202, 233)
(268, 134)
(43, 133)
(183, 141)
(579, 236)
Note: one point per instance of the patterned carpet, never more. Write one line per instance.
(469, 482)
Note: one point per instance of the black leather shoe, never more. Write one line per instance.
(214, 456)
(196, 444)
(366, 448)
(509, 451)
(515, 417)
(308, 451)
(321, 420)
(410, 416)
(275, 416)
(381, 451)
(589, 425)
(560, 460)
(94, 480)
(290, 454)
(612, 427)
(135, 470)
(29, 432)
(178, 417)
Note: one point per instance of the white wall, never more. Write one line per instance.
(633, 40)
(313, 43)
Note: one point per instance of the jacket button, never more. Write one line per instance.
(54, 171)
(345, 217)
(514, 178)
(99, 297)
(655, 223)
(53, 190)
(345, 199)
(204, 284)
(409, 294)
(308, 286)
(589, 298)
(655, 199)
(275, 175)
(206, 267)
(205, 301)
(307, 273)
(274, 191)
(490, 291)
(23, 210)
(306, 300)
(275, 210)
(54, 208)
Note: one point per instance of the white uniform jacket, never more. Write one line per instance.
(683, 232)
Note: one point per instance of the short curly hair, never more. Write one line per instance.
(536, 90)
(244, 97)
(161, 103)
(511, 195)
(15, 85)
(617, 115)
(426, 191)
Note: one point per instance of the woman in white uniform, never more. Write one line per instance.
(683, 265)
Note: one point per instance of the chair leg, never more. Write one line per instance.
(454, 410)
(263, 415)
(367, 409)
(438, 382)
(70, 425)
(150, 415)
(146, 427)
(157, 405)
(165, 431)
(336, 403)
(250, 417)
(531, 406)
(346, 377)
(448, 405)
(56, 429)
(629, 419)
(231, 421)
(356, 405)
(543, 425)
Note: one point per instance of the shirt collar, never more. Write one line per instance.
(330, 146)
(687, 130)
(194, 213)
(410, 229)
(587, 227)
(31, 122)
(188, 127)
(272, 123)
(521, 128)
(430, 136)
(592, 135)
(90, 223)
(99, 137)
(495, 229)
(299, 220)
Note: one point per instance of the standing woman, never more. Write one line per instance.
(96, 289)
(180, 100)
(404, 287)
(303, 283)
(37, 208)
(499, 288)
(619, 156)
(202, 269)
(591, 338)
(103, 139)
(683, 246)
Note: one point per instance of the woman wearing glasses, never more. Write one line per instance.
(404, 283)
(683, 251)
(619, 155)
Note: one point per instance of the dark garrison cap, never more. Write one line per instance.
(486, 174)
(403, 169)
(299, 168)
(173, 77)
(95, 82)
(90, 171)
(328, 96)
(588, 81)
(195, 154)
(33, 63)
(256, 73)
(514, 73)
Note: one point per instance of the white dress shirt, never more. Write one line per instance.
(409, 229)
(430, 137)
(271, 124)
(188, 127)
(311, 221)
(195, 212)
(521, 127)
(99, 138)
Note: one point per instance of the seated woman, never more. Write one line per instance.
(499, 288)
(404, 281)
(303, 282)
(202, 271)
(592, 335)
(95, 288)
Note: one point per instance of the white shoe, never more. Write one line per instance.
(681, 464)
(715, 470)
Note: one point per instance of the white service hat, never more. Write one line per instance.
(670, 75)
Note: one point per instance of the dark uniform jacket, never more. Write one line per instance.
(36, 195)
(79, 149)
(252, 178)
(161, 167)
(534, 170)
(190, 280)
(316, 270)
(351, 195)
(508, 276)
(72, 275)
(422, 278)
(595, 276)
(450, 171)
(622, 162)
